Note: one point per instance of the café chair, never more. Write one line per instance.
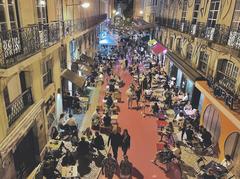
(200, 165)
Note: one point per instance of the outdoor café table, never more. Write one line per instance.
(69, 171)
(218, 169)
(115, 86)
(54, 144)
(190, 112)
(114, 101)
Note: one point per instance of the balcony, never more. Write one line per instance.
(16, 108)
(18, 44)
(220, 34)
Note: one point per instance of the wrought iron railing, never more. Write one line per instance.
(18, 44)
(19, 106)
(220, 34)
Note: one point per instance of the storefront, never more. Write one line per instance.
(221, 121)
(185, 78)
(23, 148)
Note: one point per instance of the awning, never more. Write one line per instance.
(83, 67)
(186, 69)
(74, 78)
(158, 48)
(86, 59)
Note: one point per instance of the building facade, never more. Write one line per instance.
(203, 41)
(35, 49)
(151, 10)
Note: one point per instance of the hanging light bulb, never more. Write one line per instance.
(85, 4)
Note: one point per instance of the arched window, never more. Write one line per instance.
(227, 73)
(211, 121)
(232, 145)
(189, 52)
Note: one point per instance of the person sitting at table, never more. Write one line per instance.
(83, 148)
(61, 122)
(155, 109)
(71, 123)
(107, 120)
(68, 159)
(96, 118)
(209, 174)
(49, 169)
(98, 142)
(179, 118)
(177, 151)
(163, 156)
(54, 133)
(188, 106)
(207, 138)
(189, 134)
(147, 93)
(227, 162)
(111, 87)
(186, 97)
(109, 101)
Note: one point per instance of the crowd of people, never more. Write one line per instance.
(153, 92)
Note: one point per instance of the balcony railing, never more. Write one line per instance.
(18, 44)
(19, 106)
(220, 34)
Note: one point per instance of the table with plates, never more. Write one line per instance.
(218, 169)
(54, 144)
(69, 171)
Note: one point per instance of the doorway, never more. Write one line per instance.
(24, 156)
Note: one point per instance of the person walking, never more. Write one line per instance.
(116, 140)
(109, 166)
(125, 168)
(125, 141)
(138, 93)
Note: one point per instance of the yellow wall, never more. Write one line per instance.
(227, 127)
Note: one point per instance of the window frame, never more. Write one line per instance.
(201, 62)
(213, 11)
(47, 72)
(196, 11)
(41, 19)
(7, 18)
(236, 142)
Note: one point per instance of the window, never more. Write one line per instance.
(213, 13)
(212, 18)
(203, 62)
(8, 6)
(178, 45)
(232, 145)
(195, 11)
(47, 73)
(236, 20)
(211, 121)
(184, 10)
(189, 52)
(41, 11)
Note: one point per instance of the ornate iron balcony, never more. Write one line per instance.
(234, 38)
(19, 44)
(19, 106)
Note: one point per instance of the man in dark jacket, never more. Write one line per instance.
(116, 140)
(98, 142)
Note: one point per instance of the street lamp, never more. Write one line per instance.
(141, 12)
(114, 11)
(85, 5)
